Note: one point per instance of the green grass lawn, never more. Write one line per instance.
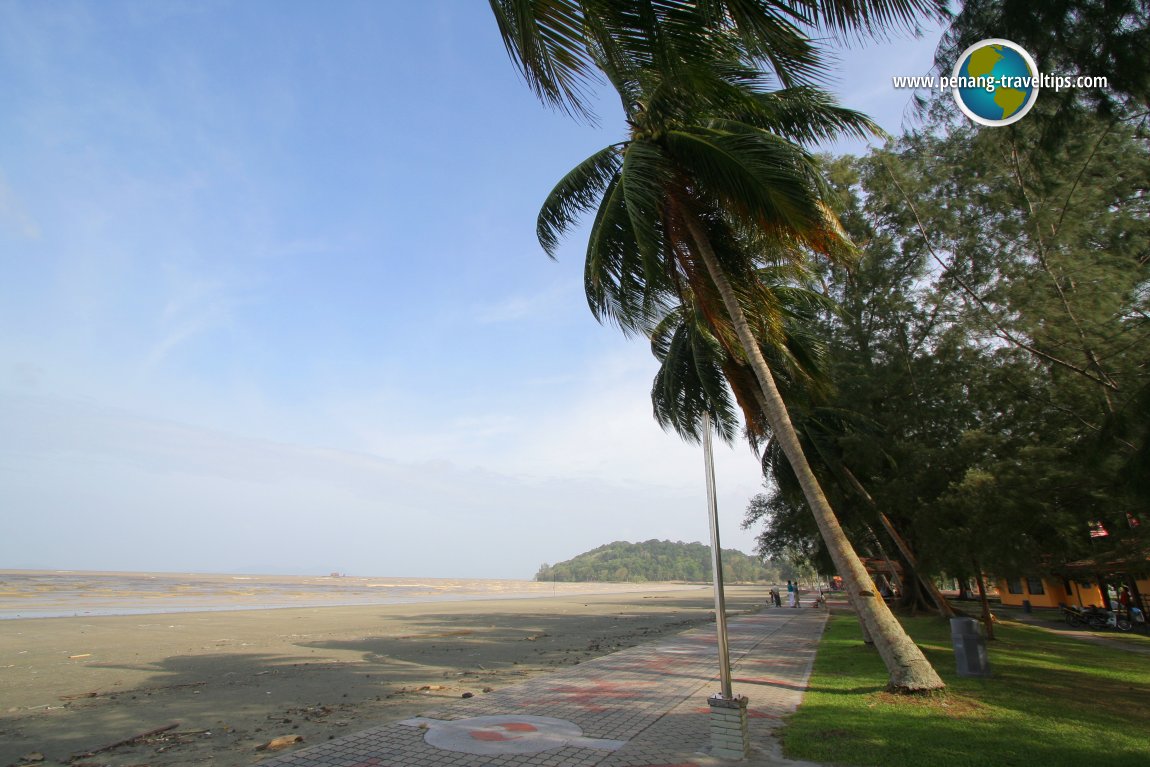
(1051, 701)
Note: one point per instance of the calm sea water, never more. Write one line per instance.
(54, 594)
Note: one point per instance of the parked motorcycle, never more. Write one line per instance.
(1098, 618)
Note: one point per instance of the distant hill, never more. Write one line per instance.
(656, 561)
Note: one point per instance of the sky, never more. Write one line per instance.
(271, 299)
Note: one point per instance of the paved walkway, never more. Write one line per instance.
(642, 707)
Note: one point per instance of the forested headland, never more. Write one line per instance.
(657, 561)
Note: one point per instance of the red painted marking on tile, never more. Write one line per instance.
(490, 735)
(586, 696)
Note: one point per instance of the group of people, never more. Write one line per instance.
(792, 595)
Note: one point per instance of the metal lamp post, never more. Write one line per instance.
(716, 560)
(729, 735)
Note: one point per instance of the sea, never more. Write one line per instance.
(66, 593)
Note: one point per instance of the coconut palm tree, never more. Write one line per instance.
(561, 46)
(712, 160)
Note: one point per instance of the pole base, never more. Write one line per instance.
(729, 735)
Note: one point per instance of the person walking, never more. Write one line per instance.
(792, 591)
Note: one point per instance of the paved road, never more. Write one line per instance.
(642, 707)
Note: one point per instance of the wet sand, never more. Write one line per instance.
(66, 593)
(233, 681)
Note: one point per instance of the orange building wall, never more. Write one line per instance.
(1079, 593)
(1144, 590)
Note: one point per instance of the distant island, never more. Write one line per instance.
(656, 561)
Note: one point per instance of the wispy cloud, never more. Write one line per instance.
(522, 307)
(196, 306)
(13, 215)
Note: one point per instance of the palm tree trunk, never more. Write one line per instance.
(909, 669)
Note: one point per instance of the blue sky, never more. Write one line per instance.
(272, 299)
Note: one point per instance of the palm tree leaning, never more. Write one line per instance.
(695, 362)
(711, 158)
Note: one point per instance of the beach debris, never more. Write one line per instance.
(81, 655)
(467, 695)
(283, 741)
(80, 695)
(32, 758)
(429, 687)
(439, 634)
(307, 713)
(125, 742)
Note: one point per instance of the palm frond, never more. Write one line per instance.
(575, 194)
(771, 33)
(614, 273)
(645, 175)
(762, 177)
(808, 115)
(690, 380)
(855, 18)
(547, 42)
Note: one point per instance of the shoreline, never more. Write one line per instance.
(31, 595)
(124, 612)
(233, 680)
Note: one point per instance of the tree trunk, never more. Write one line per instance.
(987, 616)
(898, 584)
(939, 600)
(909, 669)
(922, 601)
(908, 556)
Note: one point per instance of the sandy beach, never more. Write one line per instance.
(232, 681)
